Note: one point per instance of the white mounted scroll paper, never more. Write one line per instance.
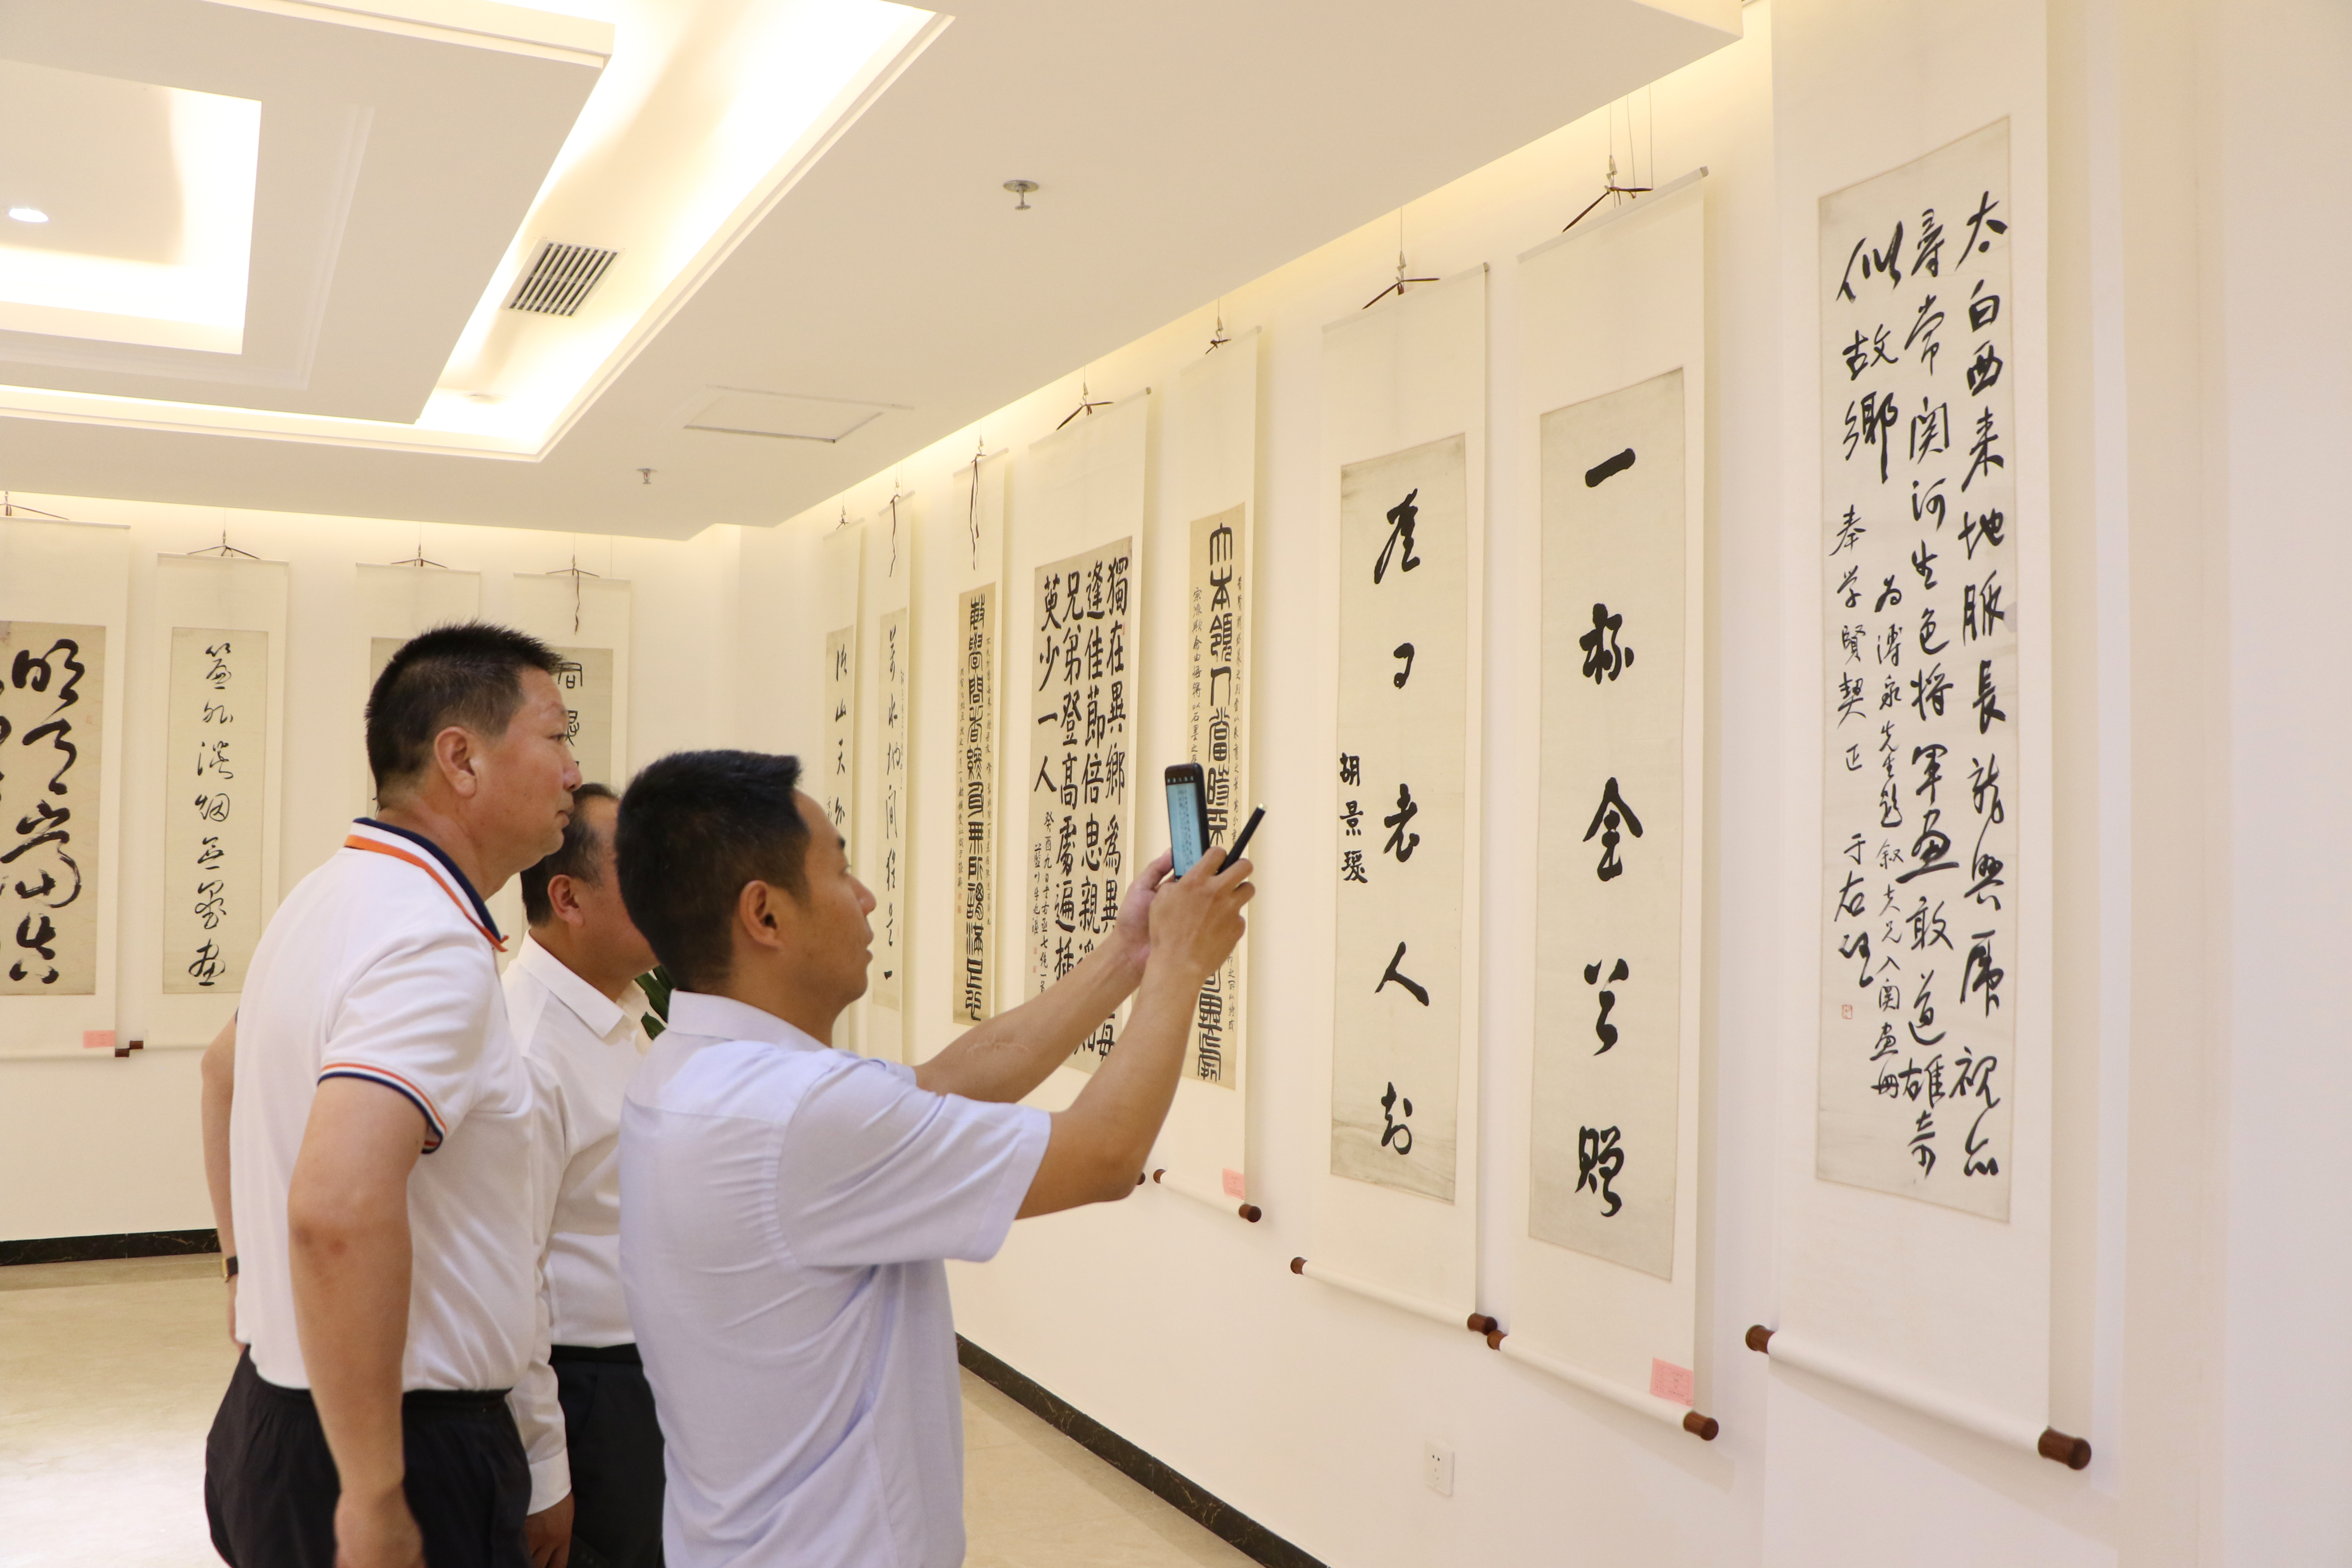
(1081, 658)
(219, 626)
(1612, 375)
(394, 604)
(63, 606)
(884, 862)
(1405, 398)
(1917, 1235)
(1202, 1151)
(587, 621)
(972, 573)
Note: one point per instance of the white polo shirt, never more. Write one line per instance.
(381, 965)
(582, 1048)
(789, 1210)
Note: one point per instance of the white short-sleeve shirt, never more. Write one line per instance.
(786, 1212)
(381, 965)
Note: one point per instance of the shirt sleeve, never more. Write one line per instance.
(538, 1409)
(874, 1170)
(417, 1021)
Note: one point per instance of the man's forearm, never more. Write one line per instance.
(1013, 1053)
(351, 1308)
(1123, 1104)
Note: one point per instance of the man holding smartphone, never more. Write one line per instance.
(790, 1206)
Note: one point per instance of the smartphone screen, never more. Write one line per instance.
(1185, 816)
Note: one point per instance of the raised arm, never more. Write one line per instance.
(347, 1228)
(1013, 1053)
(219, 1075)
(1099, 1144)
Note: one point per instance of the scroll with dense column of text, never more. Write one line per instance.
(884, 863)
(974, 566)
(216, 779)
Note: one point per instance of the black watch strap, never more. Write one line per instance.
(229, 1267)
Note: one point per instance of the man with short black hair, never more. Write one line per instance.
(377, 1143)
(585, 1410)
(790, 1206)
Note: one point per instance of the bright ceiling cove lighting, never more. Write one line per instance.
(28, 215)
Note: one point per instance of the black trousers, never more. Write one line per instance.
(616, 1445)
(270, 1484)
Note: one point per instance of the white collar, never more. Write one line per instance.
(724, 1018)
(599, 1012)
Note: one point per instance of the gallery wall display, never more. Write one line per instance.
(1919, 1253)
(217, 625)
(1405, 399)
(1612, 366)
(974, 570)
(63, 614)
(886, 862)
(587, 620)
(1211, 453)
(1079, 649)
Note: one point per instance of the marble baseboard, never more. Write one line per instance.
(1211, 1513)
(97, 1249)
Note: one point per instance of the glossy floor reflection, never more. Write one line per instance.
(110, 1373)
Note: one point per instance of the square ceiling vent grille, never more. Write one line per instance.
(559, 278)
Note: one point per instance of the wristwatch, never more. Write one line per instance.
(229, 1267)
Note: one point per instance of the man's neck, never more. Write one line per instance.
(772, 997)
(449, 836)
(611, 984)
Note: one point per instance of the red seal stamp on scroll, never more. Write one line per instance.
(1670, 1383)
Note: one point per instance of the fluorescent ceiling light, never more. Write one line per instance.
(191, 296)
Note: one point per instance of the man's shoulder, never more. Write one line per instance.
(690, 1075)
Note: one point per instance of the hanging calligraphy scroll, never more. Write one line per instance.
(884, 864)
(1613, 359)
(587, 621)
(1404, 417)
(63, 588)
(840, 559)
(1212, 463)
(221, 626)
(393, 604)
(975, 567)
(1917, 1265)
(1081, 518)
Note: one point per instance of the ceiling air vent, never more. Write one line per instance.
(559, 278)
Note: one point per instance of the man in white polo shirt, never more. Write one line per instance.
(380, 1166)
(586, 1413)
(787, 1207)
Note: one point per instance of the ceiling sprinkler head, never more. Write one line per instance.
(1021, 189)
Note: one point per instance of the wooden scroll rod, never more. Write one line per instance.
(2049, 1442)
(1477, 1322)
(1215, 1198)
(1703, 1427)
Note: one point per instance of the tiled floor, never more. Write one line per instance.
(110, 1371)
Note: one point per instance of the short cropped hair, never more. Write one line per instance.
(576, 858)
(469, 674)
(696, 828)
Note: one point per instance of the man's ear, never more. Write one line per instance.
(452, 756)
(563, 899)
(760, 915)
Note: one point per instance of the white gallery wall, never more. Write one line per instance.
(2195, 159)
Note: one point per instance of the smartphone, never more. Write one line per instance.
(1187, 813)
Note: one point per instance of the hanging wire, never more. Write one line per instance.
(1398, 287)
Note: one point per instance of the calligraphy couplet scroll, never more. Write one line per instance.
(1615, 317)
(52, 747)
(216, 670)
(1921, 1253)
(1212, 460)
(1079, 692)
(63, 601)
(883, 864)
(830, 776)
(975, 566)
(1404, 433)
(587, 621)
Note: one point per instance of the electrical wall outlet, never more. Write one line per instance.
(1437, 1468)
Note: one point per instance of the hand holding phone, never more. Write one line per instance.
(1188, 814)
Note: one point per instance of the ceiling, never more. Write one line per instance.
(838, 261)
